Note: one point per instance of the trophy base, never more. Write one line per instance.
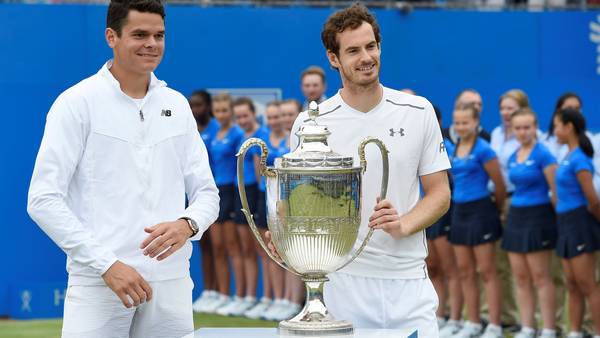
(307, 329)
(315, 319)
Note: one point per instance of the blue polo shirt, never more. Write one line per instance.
(249, 171)
(223, 155)
(568, 190)
(468, 173)
(531, 186)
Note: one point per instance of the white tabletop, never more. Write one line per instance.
(272, 333)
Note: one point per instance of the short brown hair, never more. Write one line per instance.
(241, 101)
(316, 70)
(349, 18)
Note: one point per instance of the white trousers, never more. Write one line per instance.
(383, 303)
(97, 312)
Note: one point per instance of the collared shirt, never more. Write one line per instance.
(504, 148)
(107, 168)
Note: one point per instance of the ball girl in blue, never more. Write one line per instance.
(201, 104)
(530, 233)
(578, 213)
(441, 264)
(245, 117)
(475, 220)
(223, 233)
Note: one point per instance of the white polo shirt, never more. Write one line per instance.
(408, 127)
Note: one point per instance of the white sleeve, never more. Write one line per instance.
(62, 147)
(433, 157)
(200, 188)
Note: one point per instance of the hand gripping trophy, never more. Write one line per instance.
(313, 213)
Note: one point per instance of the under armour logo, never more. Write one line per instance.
(394, 132)
(165, 112)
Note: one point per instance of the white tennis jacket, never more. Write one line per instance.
(109, 166)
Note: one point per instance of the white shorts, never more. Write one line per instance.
(95, 311)
(406, 304)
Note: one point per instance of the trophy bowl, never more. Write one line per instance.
(313, 214)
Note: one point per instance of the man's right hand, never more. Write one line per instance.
(127, 284)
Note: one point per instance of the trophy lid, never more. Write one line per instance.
(313, 150)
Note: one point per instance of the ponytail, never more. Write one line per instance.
(586, 145)
(576, 119)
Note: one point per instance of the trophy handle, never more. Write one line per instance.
(384, 183)
(264, 171)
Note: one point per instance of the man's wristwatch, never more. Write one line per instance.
(193, 225)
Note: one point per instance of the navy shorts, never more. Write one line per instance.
(530, 229)
(252, 197)
(441, 227)
(261, 211)
(476, 222)
(227, 194)
(578, 233)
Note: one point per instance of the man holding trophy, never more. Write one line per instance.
(387, 285)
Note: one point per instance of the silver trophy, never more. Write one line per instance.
(313, 213)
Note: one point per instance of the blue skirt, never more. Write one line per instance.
(261, 211)
(476, 222)
(578, 233)
(252, 197)
(227, 195)
(441, 227)
(530, 229)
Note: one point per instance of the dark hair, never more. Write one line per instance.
(561, 100)
(245, 101)
(349, 18)
(206, 97)
(118, 10)
(295, 102)
(470, 107)
(576, 119)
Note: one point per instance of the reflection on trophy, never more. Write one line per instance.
(314, 208)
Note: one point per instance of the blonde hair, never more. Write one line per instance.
(223, 97)
(518, 95)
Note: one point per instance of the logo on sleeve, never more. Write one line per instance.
(165, 112)
(394, 132)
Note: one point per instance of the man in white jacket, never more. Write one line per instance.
(119, 155)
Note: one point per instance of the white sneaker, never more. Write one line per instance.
(441, 322)
(243, 306)
(525, 333)
(226, 308)
(492, 331)
(575, 335)
(205, 298)
(450, 328)
(546, 333)
(469, 330)
(258, 309)
(219, 301)
(274, 312)
(288, 311)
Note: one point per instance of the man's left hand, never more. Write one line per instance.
(165, 238)
(386, 218)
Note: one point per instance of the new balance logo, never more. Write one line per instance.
(394, 132)
(165, 112)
